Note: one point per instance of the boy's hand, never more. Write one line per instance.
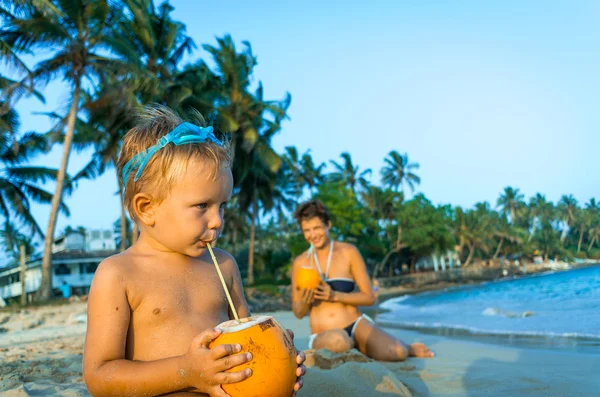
(301, 370)
(205, 368)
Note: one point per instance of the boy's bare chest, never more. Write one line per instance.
(188, 297)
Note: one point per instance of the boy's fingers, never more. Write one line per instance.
(218, 392)
(204, 338)
(300, 357)
(225, 350)
(300, 371)
(289, 331)
(232, 361)
(299, 384)
(233, 377)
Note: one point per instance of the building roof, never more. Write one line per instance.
(65, 255)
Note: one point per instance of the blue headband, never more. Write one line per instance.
(182, 134)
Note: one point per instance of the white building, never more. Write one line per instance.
(100, 240)
(72, 262)
(438, 262)
(72, 241)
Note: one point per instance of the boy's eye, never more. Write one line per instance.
(202, 205)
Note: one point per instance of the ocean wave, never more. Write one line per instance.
(494, 311)
(393, 303)
(461, 329)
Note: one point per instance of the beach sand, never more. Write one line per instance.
(42, 348)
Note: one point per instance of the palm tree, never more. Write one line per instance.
(592, 221)
(252, 122)
(383, 205)
(248, 117)
(539, 211)
(80, 34)
(511, 203)
(11, 239)
(472, 231)
(156, 44)
(19, 183)
(593, 235)
(398, 171)
(348, 173)
(567, 206)
(9, 55)
(236, 224)
(303, 169)
(583, 220)
(503, 230)
(110, 114)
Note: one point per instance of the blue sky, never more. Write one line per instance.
(482, 94)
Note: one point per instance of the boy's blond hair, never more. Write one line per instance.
(168, 164)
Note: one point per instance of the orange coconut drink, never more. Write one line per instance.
(273, 361)
(307, 278)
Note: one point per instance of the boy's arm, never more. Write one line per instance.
(106, 372)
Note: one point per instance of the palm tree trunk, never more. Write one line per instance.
(499, 248)
(470, 257)
(123, 243)
(252, 237)
(387, 256)
(581, 230)
(234, 236)
(135, 231)
(23, 274)
(591, 243)
(46, 287)
(563, 235)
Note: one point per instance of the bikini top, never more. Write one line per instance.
(339, 284)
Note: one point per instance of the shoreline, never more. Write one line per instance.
(48, 362)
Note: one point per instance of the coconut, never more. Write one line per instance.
(307, 278)
(273, 361)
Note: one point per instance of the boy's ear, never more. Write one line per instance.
(329, 224)
(144, 207)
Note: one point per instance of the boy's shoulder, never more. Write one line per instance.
(223, 257)
(116, 264)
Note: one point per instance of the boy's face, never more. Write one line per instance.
(192, 213)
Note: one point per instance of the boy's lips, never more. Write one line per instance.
(204, 243)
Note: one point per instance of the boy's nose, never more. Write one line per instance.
(215, 221)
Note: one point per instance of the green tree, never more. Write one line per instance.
(472, 232)
(567, 207)
(348, 173)
(351, 220)
(11, 239)
(419, 227)
(303, 169)
(511, 203)
(398, 171)
(80, 35)
(19, 182)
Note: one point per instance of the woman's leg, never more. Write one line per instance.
(336, 340)
(374, 342)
